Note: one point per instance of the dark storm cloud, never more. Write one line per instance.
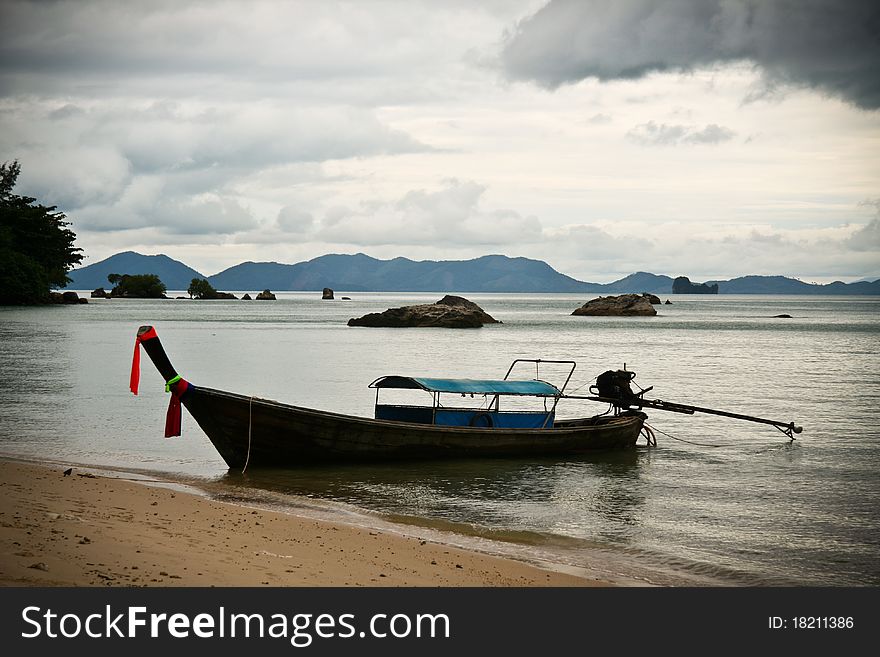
(829, 45)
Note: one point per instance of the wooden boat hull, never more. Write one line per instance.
(260, 432)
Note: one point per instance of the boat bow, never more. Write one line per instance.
(179, 387)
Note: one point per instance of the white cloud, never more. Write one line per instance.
(140, 207)
(652, 134)
(295, 221)
(866, 238)
(450, 215)
(74, 177)
(164, 164)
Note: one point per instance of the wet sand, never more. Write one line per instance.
(85, 529)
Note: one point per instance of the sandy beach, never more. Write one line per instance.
(88, 529)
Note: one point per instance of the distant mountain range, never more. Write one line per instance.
(174, 274)
(361, 273)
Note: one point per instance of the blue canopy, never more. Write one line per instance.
(533, 388)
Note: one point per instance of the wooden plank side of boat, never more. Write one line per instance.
(263, 432)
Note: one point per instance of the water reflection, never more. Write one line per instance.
(596, 497)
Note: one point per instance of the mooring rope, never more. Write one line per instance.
(250, 416)
(689, 442)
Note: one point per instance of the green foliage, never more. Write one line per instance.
(22, 280)
(138, 286)
(199, 288)
(36, 247)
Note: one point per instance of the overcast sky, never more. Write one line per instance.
(707, 138)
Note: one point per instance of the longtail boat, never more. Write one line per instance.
(251, 432)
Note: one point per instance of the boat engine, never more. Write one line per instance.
(614, 384)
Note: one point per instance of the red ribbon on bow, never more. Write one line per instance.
(135, 377)
(172, 417)
(177, 386)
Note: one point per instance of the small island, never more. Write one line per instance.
(137, 286)
(449, 312)
(683, 285)
(199, 288)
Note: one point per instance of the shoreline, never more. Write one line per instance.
(87, 529)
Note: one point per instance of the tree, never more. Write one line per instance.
(36, 247)
(22, 280)
(137, 286)
(199, 288)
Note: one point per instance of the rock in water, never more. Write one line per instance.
(653, 298)
(683, 285)
(449, 312)
(327, 293)
(265, 295)
(461, 302)
(625, 305)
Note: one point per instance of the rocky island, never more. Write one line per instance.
(683, 285)
(66, 297)
(624, 305)
(449, 312)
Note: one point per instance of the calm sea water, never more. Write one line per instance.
(719, 501)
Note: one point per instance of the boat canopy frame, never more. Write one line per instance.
(535, 388)
(497, 388)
